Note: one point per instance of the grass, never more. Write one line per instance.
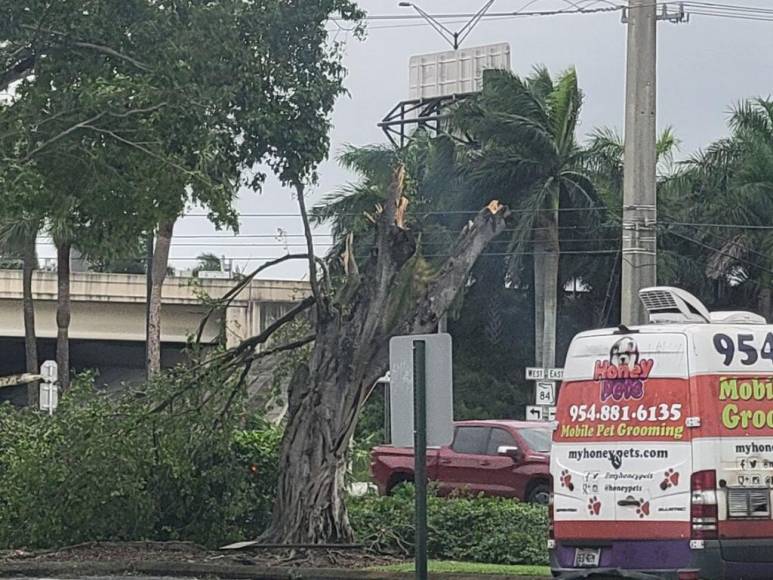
(438, 566)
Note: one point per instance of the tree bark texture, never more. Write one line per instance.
(63, 313)
(158, 275)
(29, 261)
(350, 353)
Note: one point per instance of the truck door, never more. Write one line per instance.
(462, 465)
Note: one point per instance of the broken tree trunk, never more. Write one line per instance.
(350, 352)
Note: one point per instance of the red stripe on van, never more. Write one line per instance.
(622, 530)
(746, 529)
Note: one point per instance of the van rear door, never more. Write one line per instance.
(621, 452)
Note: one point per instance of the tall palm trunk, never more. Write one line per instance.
(157, 276)
(29, 263)
(540, 249)
(63, 313)
(550, 306)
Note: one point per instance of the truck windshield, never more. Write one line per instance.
(537, 439)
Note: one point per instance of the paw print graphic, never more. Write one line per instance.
(670, 479)
(594, 506)
(644, 508)
(566, 480)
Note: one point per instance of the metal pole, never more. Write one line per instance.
(639, 182)
(420, 453)
(387, 413)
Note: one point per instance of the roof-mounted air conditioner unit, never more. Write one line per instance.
(667, 304)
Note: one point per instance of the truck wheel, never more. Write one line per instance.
(539, 494)
(405, 480)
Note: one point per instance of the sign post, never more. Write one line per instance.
(49, 393)
(421, 412)
(544, 393)
(420, 454)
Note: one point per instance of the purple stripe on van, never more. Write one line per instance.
(636, 555)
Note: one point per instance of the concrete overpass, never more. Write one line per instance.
(107, 331)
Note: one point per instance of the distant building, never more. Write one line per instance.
(107, 332)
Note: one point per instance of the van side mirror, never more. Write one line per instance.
(511, 451)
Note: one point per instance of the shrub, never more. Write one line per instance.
(478, 529)
(156, 465)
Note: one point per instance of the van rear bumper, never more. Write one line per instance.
(663, 559)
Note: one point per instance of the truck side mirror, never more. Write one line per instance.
(511, 451)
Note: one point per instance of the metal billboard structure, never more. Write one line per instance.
(454, 72)
(437, 81)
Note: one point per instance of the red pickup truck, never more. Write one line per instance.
(504, 458)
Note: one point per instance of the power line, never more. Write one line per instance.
(438, 212)
(455, 18)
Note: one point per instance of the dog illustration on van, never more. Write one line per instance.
(668, 430)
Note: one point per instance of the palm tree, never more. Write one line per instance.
(60, 227)
(731, 182)
(604, 164)
(18, 238)
(208, 262)
(528, 153)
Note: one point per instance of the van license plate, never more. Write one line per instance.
(587, 557)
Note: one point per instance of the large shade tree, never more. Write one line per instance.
(177, 101)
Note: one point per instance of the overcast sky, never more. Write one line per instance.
(705, 66)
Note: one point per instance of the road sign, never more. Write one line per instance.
(545, 393)
(533, 413)
(549, 413)
(534, 374)
(538, 374)
(50, 371)
(554, 374)
(439, 389)
(49, 397)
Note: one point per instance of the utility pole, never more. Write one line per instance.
(640, 172)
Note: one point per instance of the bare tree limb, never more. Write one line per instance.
(250, 360)
(62, 135)
(299, 191)
(254, 341)
(227, 298)
(100, 48)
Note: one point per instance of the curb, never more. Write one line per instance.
(195, 570)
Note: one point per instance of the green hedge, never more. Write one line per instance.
(477, 529)
(103, 468)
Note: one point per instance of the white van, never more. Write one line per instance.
(662, 455)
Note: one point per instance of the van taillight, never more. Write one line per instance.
(551, 532)
(703, 505)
